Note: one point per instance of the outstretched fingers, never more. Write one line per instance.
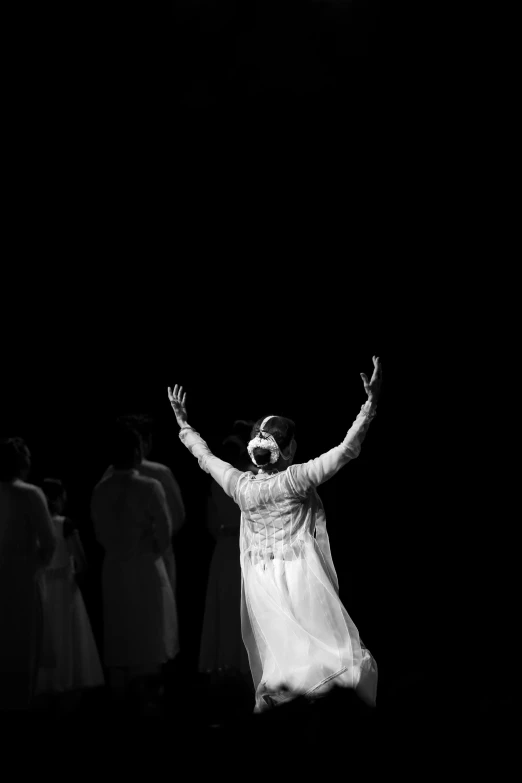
(176, 394)
(377, 368)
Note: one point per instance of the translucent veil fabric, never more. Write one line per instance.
(299, 637)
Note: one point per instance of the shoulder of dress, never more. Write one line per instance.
(30, 490)
(101, 483)
(148, 481)
(157, 467)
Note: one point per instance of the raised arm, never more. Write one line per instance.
(222, 472)
(317, 471)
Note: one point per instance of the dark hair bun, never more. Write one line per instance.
(262, 456)
(124, 441)
(281, 428)
(13, 458)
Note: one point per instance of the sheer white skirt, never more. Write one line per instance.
(70, 657)
(299, 637)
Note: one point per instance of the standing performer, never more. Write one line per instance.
(299, 637)
(67, 628)
(132, 523)
(143, 426)
(27, 545)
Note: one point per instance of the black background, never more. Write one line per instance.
(182, 207)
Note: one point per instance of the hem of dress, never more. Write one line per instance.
(327, 679)
(292, 695)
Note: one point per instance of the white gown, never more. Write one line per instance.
(27, 543)
(69, 647)
(299, 637)
(175, 505)
(132, 523)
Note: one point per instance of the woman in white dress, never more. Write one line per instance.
(132, 523)
(67, 629)
(299, 637)
(27, 544)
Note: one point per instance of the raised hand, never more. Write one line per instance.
(177, 400)
(373, 387)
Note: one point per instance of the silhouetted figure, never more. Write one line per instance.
(222, 653)
(163, 474)
(299, 637)
(27, 545)
(132, 523)
(67, 629)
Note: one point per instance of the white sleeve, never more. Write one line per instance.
(222, 472)
(315, 472)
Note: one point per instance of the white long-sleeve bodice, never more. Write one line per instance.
(279, 510)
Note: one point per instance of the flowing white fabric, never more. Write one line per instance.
(299, 637)
(70, 657)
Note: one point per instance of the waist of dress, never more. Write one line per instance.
(260, 554)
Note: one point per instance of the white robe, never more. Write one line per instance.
(176, 507)
(132, 523)
(27, 543)
(299, 637)
(74, 662)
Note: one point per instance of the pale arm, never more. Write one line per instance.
(317, 471)
(222, 472)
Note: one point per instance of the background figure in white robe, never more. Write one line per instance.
(27, 544)
(223, 654)
(299, 637)
(132, 523)
(67, 629)
(156, 470)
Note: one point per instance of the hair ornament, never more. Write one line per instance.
(263, 440)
